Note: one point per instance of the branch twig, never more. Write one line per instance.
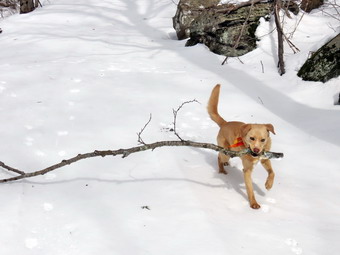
(175, 112)
(231, 7)
(11, 169)
(139, 134)
(290, 44)
(296, 26)
(242, 30)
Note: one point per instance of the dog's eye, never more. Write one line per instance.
(252, 138)
(263, 140)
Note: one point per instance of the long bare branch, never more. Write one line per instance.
(143, 147)
(127, 152)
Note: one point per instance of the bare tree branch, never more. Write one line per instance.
(144, 147)
(127, 152)
(281, 64)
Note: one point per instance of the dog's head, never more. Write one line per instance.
(256, 136)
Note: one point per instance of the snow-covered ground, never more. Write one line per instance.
(81, 75)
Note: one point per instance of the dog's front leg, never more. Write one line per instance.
(247, 171)
(223, 160)
(270, 179)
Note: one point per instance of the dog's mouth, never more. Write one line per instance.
(255, 154)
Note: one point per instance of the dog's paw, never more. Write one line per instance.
(269, 183)
(222, 171)
(255, 206)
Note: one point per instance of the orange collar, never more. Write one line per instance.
(237, 143)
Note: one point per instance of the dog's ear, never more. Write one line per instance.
(270, 128)
(245, 129)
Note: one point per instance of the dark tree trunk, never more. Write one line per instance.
(26, 6)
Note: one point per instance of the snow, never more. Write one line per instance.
(78, 76)
(232, 1)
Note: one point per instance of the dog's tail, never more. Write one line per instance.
(212, 106)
